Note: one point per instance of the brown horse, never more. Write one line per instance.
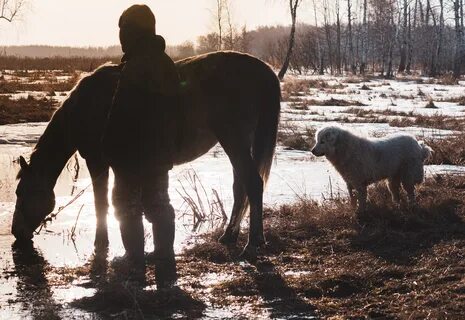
(227, 97)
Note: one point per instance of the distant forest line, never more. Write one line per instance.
(317, 50)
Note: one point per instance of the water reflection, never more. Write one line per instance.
(33, 289)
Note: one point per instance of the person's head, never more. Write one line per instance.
(136, 22)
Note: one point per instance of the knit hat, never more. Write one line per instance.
(138, 16)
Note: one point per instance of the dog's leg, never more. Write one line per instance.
(394, 188)
(362, 198)
(353, 199)
(410, 189)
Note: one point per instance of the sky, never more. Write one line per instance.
(94, 22)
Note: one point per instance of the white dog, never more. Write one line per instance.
(361, 161)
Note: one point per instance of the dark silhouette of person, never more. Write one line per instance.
(139, 141)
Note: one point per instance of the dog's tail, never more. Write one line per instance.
(426, 150)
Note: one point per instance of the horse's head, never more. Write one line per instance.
(35, 200)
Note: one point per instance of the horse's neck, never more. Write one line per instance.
(53, 150)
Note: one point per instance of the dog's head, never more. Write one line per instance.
(326, 140)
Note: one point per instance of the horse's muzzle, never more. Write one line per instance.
(19, 228)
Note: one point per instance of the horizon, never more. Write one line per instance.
(177, 20)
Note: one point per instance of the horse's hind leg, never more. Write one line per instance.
(246, 169)
(239, 209)
(99, 174)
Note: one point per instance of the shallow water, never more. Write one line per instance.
(294, 174)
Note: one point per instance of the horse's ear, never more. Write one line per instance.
(23, 163)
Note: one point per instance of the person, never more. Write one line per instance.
(139, 139)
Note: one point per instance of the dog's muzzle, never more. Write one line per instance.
(317, 153)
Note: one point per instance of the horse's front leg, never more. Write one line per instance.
(99, 174)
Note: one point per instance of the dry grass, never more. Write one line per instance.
(450, 150)
(430, 104)
(354, 79)
(331, 102)
(293, 139)
(25, 110)
(459, 100)
(321, 259)
(67, 64)
(447, 79)
(437, 121)
(359, 112)
(388, 263)
(48, 83)
(303, 104)
(298, 87)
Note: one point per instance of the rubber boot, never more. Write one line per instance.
(132, 235)
(164, 259)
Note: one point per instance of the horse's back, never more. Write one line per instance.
(218, 90)
(224, 72)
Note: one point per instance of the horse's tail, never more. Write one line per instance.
(265, 136)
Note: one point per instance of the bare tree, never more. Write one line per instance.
(219, 17)
(338, 39)
(364, 43)
(410, 39)
(230, 42)
(353, 67)
(9, 10)
(293, 6)
(403, 41)
(436, 55)
(327, 28)
(457, 4)
(320, 56)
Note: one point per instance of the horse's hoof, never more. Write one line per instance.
(228, 239)
(250, 254)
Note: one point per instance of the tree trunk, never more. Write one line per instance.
(328, 35)
(219, 12)
(320, 56)
(364, 39)
(353, 67)
(458, 39)
(410, 41)
(437, 65)
(338, 40)
(293, 4)
(403, 45)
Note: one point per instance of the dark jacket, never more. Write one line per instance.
(141, 126)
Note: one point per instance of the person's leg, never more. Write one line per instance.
(128, 211)
(158, 211)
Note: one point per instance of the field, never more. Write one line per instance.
(321, 261)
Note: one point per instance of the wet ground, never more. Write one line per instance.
(57, 277)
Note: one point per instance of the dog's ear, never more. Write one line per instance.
(331, 136)
(336, 137)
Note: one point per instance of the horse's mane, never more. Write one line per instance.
(56, 133)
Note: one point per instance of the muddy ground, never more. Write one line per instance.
(321, 261)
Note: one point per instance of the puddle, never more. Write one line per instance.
(29, 293)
